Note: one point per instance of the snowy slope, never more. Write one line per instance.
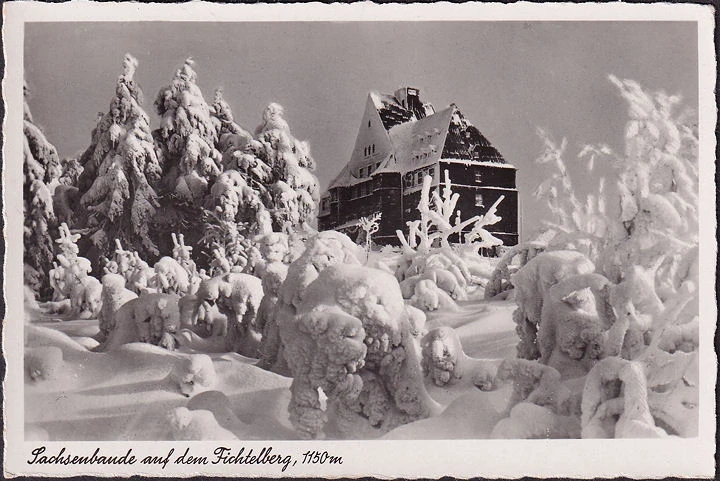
(127, 394)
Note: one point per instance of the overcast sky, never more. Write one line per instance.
(507, 77)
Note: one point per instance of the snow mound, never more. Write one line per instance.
(196, 425)
(194, 374)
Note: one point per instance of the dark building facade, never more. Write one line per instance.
(400, 141)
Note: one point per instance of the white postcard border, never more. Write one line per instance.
(648, 458)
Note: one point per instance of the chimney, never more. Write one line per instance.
(409, 98)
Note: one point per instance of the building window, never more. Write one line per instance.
(479, 200)
(409, 179)
(478, 177)
(373, 148)
(431, 172)
(334, 195)
(377, 166)
(368, 124)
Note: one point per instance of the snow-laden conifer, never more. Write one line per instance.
(120, 169)
(187, 136)
(293, 190)
(41, 169)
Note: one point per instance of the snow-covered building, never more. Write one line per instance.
(402, 139)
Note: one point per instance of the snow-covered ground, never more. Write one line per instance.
(128, 393)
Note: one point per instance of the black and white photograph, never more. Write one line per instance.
(286, 240)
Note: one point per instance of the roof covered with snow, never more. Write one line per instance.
(420, 137)
(418, 142)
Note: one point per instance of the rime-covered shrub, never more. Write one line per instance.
(432, 272)
(354, 339)
(630, 329)
(150, 318)
(608, 302)
(237, 297)
(322, 250)
(114, 295)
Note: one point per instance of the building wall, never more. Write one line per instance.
(397, 208)
(464, 174)
(372, 144)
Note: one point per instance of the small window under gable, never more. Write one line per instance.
(373, 148)
(479, 200)
(369, 124)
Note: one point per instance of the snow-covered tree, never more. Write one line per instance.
(613, 297)
(71, 171)
(223, 118)
(41, 171)
(293, 188)
(120, 168)
(187, 137)
(370, 225)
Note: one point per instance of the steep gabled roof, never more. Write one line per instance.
(465, 141)
(418, 142)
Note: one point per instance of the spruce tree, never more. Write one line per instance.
(120, 168)
(41, 170)
(187, 137)
(293, 190)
